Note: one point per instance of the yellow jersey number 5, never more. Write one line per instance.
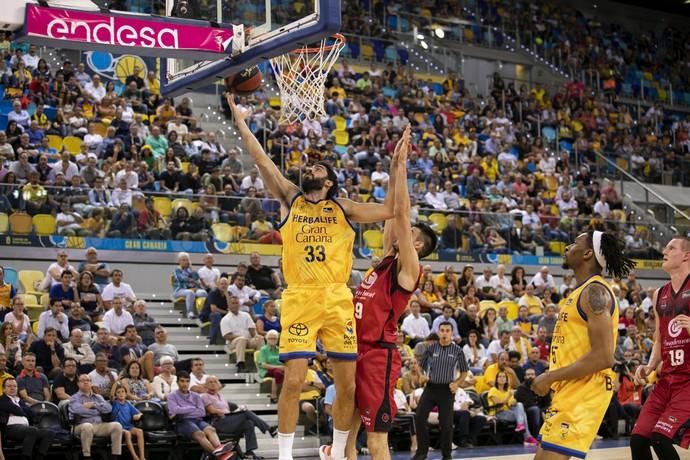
(315, 253)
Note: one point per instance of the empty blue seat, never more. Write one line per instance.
(5, 106)
(549, 133)
(438, 88)
(3, 121)
(393, 22)
(678, 97)
(354, 50)
(51, 113)
(567, 146)
(391, 55)
(404, 55)
(390, 92)
(11, 276)
(379, 49)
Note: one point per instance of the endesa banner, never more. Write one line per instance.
(155, 36)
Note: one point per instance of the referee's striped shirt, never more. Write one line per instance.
(441, 363)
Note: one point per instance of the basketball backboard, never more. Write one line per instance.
(269, 28)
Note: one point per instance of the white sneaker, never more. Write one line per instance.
(325, 453)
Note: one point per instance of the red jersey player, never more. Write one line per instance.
(665, 415)
(379, 302)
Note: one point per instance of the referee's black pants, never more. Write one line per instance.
(435, 395)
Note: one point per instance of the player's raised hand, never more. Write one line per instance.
(237, 113)
(402, 148)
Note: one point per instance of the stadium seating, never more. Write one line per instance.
(20, 223)
(72, 144)
(4, 223)
(29, 279)
(44, 224)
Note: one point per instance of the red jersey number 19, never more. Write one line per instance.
(677, 357)
(359, 307)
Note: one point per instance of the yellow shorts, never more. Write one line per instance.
(573, 419)
(324, 312)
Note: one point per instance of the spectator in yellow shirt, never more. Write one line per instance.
(501, 365)
(532, 302)
(442, 280)
(338, 90)
(490, 166)
(153, 86)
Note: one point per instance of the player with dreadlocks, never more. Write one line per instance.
(582, 348)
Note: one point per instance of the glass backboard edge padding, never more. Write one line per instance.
(237, 47)
(288, 28)
(328, 22)
(266, 26)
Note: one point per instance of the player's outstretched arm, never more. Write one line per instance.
(366, 213)
(276, 183)
(389, 231)
(595, 301)
(407, 254)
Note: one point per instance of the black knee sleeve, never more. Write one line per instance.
(640, 447)
(663, 447)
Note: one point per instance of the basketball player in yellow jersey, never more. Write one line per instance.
(582, 348)
(317, 261)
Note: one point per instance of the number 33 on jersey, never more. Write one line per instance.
(317, 243)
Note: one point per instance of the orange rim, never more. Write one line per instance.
(338, 41)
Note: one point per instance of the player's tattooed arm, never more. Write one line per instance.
(596, 301)
(599, 298)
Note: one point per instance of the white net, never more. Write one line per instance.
(301, 76)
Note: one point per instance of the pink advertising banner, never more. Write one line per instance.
(158, 36)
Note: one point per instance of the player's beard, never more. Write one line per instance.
(312, 184)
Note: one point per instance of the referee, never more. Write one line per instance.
(441, 361)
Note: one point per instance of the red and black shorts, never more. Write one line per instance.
(666, 412)
(378, 370)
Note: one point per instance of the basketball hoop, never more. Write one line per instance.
(301, 76)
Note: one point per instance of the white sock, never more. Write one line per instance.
(339, 442)
(285, 445)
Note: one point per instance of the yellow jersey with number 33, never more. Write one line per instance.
(317, 243)
(570, 340)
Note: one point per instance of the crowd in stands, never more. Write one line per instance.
(90, 155)
(482, 161)
(650, 64)
(655, 58)
(98, 339)
(485, 165)
(94, 348)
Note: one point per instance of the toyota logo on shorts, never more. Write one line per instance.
(298, 329)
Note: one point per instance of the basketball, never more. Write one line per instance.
(244, 83)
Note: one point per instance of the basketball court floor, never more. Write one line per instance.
(603, 450)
